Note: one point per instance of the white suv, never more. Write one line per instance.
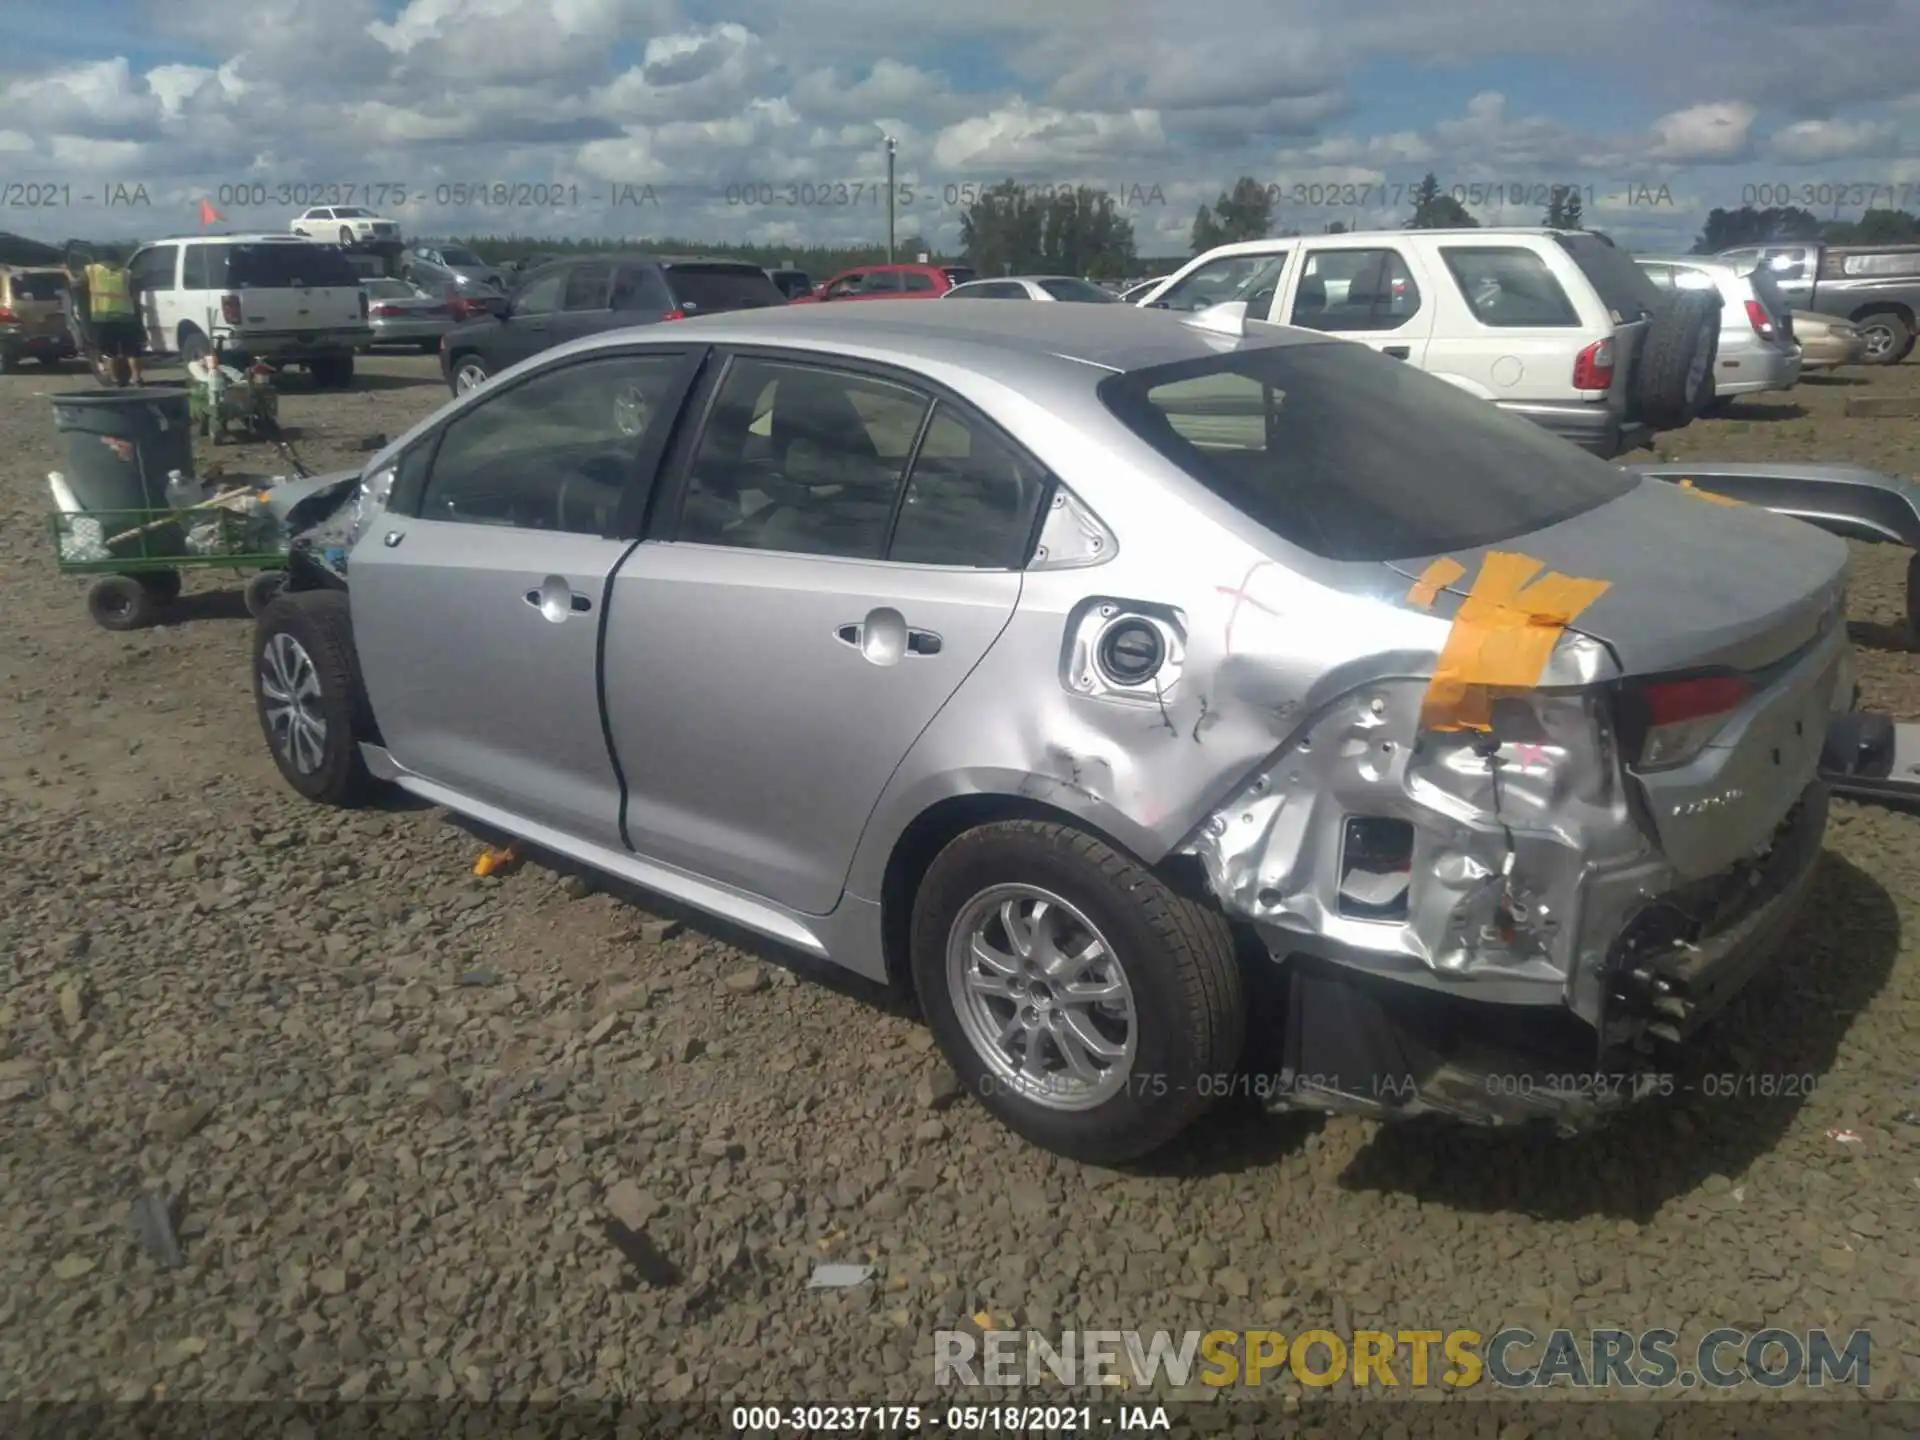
(345, 225)
(1558, 325)
(276, 298)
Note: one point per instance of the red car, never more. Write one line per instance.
(889, 282)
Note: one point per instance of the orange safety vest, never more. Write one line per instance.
(107, 297)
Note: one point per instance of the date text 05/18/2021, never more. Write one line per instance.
(1009, 1419)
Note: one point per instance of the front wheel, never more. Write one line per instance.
(122, 602)
(307, 692)
(1091, 1009)
(469, 373)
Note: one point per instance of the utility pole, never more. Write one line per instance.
(892, 145)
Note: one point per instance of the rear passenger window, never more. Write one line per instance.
(588, 286)
(1346, 290)
(197, 272)
(971, 500)
(1510, 288)
(918, 282)
(552, 453)
(801, 459)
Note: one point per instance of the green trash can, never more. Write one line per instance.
(119, 446)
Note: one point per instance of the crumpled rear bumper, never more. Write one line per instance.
(1363, 1043)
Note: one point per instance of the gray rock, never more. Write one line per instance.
(938, 1089)
(658, 932)
(185, 1122)
(746, 982)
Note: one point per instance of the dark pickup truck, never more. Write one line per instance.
(1877, 287)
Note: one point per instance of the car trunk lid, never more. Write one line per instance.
(37, 302)
(1704, 596)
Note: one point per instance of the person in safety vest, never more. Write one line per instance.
(113, 308)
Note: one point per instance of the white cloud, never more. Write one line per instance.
(1811, 141)
(1033, 139)
(1713, 132)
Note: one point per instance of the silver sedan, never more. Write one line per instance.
(1177, 708)
(403, 314)
(1034, 287)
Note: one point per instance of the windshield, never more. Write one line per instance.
(282, 266)
(1353, 456)
(454, 255)
(705, 289)
(1065, 289)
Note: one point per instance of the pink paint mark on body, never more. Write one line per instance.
(1241, 597)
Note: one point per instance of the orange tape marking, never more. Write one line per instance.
(1699, 494)
(1435, 578)
(1502, 638)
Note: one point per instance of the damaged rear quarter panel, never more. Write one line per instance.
(1275, 649)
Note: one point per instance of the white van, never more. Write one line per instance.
(277, 298)
(1557, 325)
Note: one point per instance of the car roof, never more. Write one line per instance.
(276, 237)
(1113, 337)
(1357, 237)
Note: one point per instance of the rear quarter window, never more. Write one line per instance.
(705, 289)
(1507, 287)
(274, 266)
(1892, 263)
(1352, 456)
(1622, 285)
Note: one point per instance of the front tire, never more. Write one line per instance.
(1092, 1010)
(121, 603)
(308, 695)
(469, 373)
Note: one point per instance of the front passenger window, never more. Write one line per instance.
(555, 452)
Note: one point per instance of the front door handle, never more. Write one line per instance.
(1398, 352)
(555, 600)
(884, 638)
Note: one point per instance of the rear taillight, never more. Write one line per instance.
(7, 317)
(383, 311)
(1593, 367)
(1761, 321)
(1674, 719)
(674, 315)
(230, 309)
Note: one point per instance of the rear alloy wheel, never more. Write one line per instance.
(469, 373)
(1090, 1008)
(1676, 369)
(1887, 337)
(307, 692)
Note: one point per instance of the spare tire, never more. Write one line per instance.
(1683, 340)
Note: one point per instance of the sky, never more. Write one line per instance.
(718, 121)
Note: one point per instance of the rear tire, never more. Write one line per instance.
(9, 362)
(1913, 597)
(121, 603)
(1677, 366)
(1889, 338)
(194, 347)
(309, 697)
(1174, 958)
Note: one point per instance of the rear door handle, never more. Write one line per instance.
(1398, 352)
(556, 600)
(884, 637)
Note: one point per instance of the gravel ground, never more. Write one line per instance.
(387, 1108)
